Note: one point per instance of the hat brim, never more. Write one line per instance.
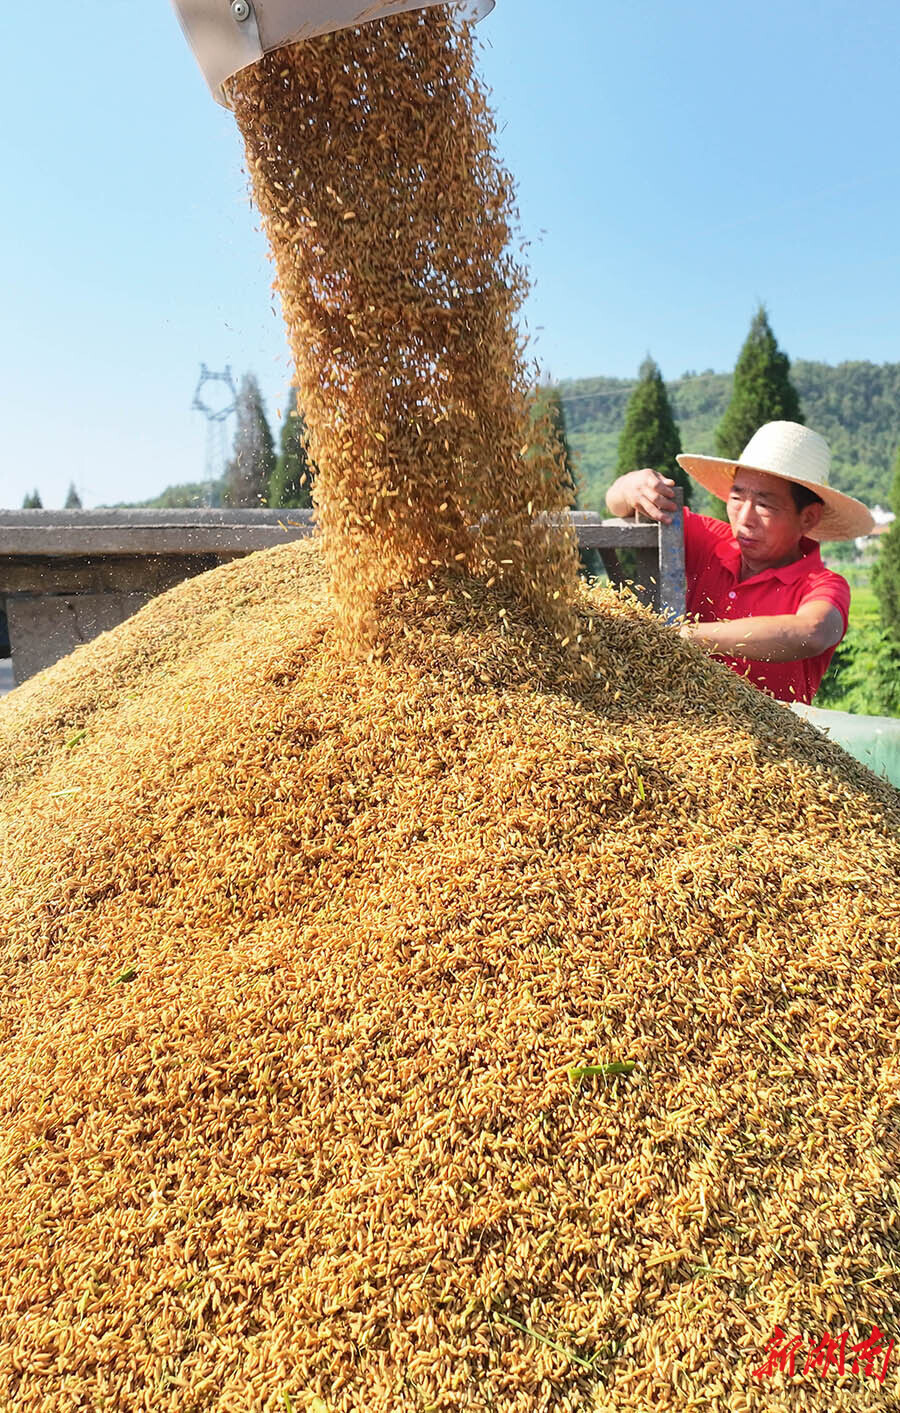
(843, 518)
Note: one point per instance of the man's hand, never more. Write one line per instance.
(646, 491)
(789, 637)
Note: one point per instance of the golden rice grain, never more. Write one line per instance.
(314, 998)
(431, 1028)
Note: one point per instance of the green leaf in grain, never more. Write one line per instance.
(542, 1339)
(640, 785)
(76, 739)
(616, 1067)
(58, 794)
(780, 1043)
(127, 975)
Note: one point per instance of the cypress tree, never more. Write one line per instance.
(32, 502)
(551, 436)
(73, 499)
(762, 391)
(650, 436)
(290, 482)
(559, 432)
(253, 458)
(887, 570)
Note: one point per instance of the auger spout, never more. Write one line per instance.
(227, 35)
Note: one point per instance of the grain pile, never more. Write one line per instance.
(390, 222)
(310, 967)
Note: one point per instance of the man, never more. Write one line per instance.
(759, 597)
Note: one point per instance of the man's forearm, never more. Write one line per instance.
(780, 638)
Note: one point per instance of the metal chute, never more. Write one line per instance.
(227, 35)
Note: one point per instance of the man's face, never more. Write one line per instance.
(764, 519)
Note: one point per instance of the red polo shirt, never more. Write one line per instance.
(715, 591)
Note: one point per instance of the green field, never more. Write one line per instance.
(864, 677)
(863, 603)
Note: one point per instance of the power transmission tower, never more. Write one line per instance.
(216, 398)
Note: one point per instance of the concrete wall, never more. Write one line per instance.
(45, 628)
(66, 576)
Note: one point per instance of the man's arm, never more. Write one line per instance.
(787, 637)
(643, 490)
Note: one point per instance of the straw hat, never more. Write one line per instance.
(796, 454)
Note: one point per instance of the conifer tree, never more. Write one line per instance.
(32, 502)
(762, 391)
(650, 436)
(73, 499)
(887, 570)
(290, 482)
(551, 433)
(253, 458)
(556, 419)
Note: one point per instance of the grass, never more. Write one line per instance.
(863, 606)
(855, 681)
(543, 1339)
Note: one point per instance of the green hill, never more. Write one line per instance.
(856, 406)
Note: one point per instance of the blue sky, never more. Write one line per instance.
(675, 164)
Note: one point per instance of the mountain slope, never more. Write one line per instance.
(855, 405)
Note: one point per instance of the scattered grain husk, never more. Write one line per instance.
(321, 983)
(391, 225)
